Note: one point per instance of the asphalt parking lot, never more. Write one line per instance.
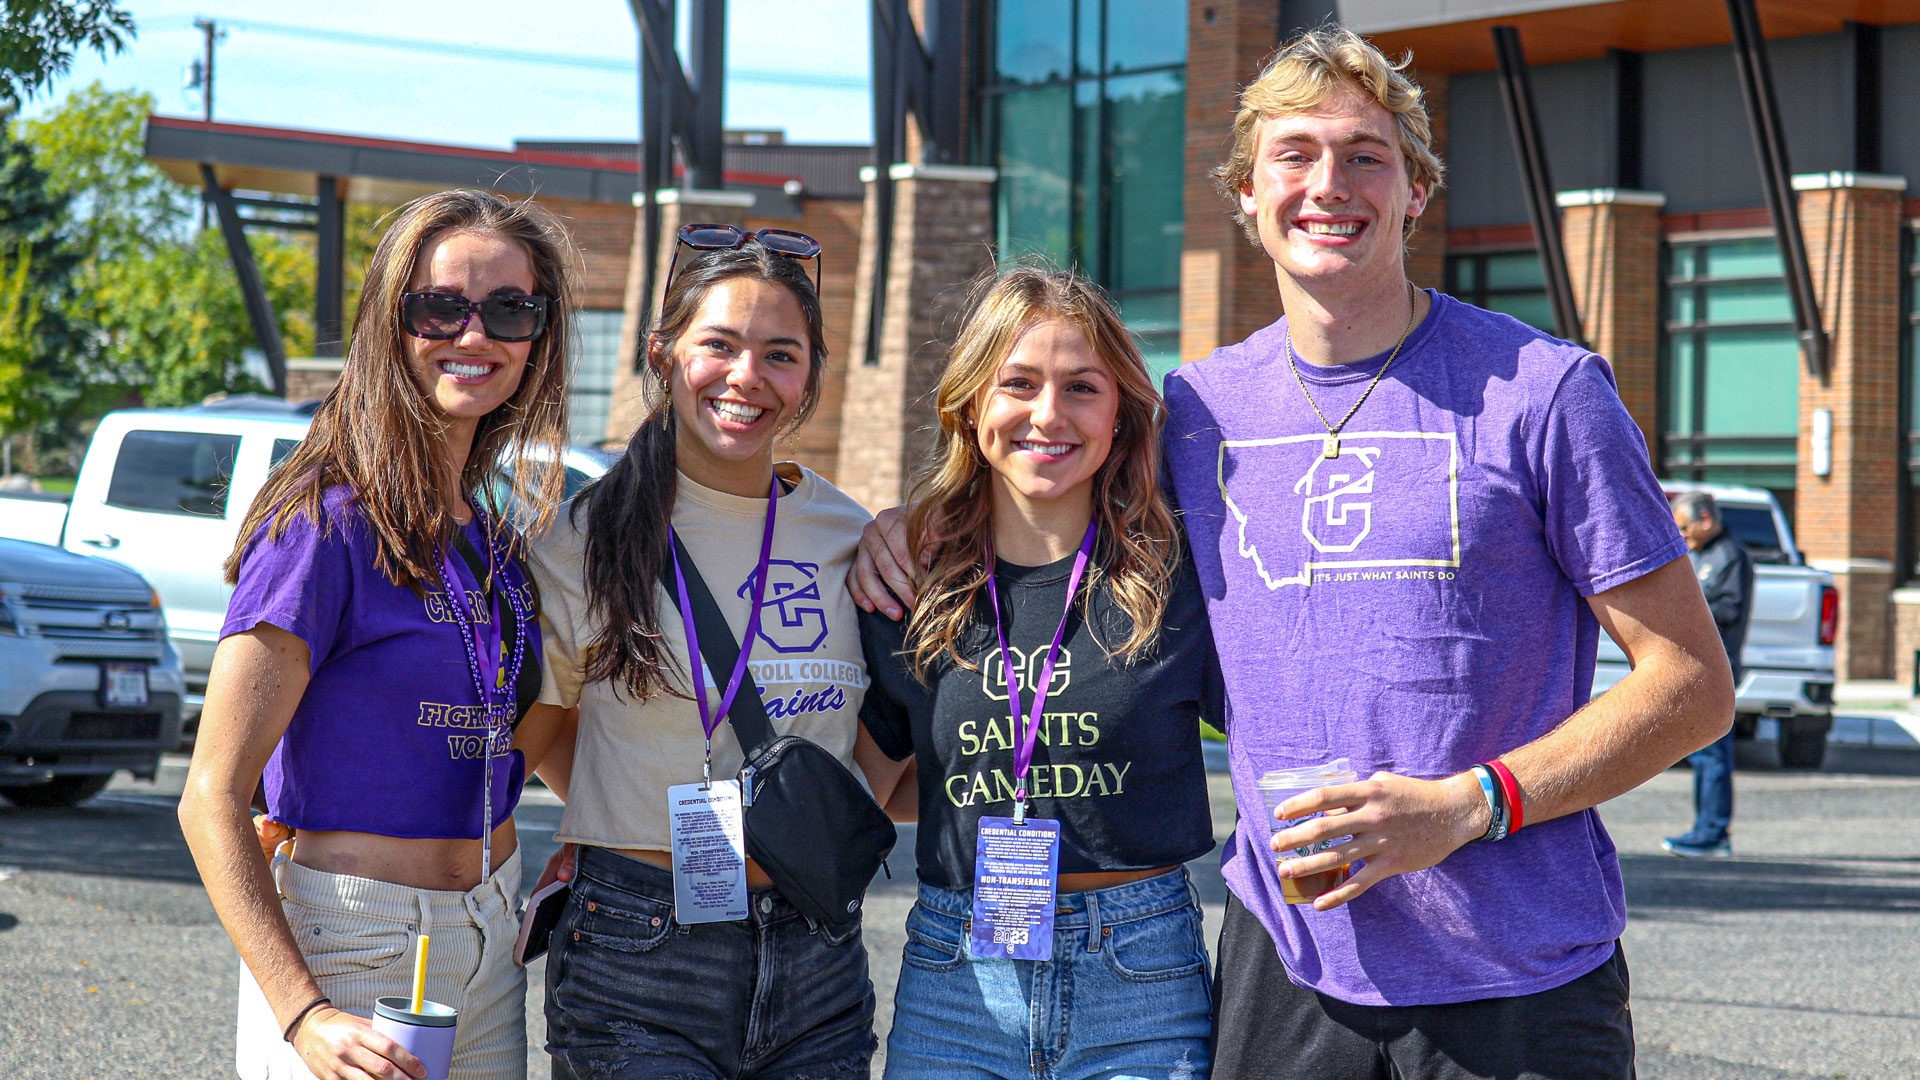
(1798, 958)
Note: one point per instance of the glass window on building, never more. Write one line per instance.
(1510, 282)
(1730, 411)
(1085, 119)
(596, 359)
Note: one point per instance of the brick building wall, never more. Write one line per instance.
(602, 236)
(1226, 284)
(1427, 251)
(1845, 521)
(1612, 241)
(942, 237)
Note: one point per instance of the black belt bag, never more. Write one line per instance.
(810, 823)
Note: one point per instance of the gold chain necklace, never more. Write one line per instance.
(1331, 447)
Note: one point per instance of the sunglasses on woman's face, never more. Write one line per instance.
(794, 245)
(443, 316)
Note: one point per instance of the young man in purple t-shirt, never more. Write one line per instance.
(1412, 518)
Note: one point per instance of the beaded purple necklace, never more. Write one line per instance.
(483, 660)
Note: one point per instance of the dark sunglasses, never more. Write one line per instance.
(794, 245)
(441, 316)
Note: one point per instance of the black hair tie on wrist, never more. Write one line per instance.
(287, 1036)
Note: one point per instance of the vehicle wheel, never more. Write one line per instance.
(1802, 748)
(1744, 725)
(60, 791)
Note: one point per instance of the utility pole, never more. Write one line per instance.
(211, 31)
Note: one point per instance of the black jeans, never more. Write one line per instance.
(1266, 1027)
(633, 995)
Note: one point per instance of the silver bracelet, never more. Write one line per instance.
(1497, 819)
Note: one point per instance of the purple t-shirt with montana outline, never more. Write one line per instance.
(1418, 604)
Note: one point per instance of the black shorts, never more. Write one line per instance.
(1266, 1027)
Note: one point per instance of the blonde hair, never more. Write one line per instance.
(952, 504)
(1300, 77)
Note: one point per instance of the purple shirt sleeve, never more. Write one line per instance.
(301, 583)
(1607, 521)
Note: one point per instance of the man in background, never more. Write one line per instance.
(1725, 571)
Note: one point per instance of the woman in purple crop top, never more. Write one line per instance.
(381, 644)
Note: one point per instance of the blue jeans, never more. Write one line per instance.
(1125, 996)
(633, 995)
(1712, 792)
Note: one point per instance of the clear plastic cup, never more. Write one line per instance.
(1277, 787)
(427, 1034)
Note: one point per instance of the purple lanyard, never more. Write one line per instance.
(710, 718)
(485, 646)
(1030, 734)
(483, 662)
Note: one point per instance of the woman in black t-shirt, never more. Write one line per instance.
(1055, 558)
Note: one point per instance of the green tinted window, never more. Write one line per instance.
(1091, 166)
(1681, 307)
(1752, 382)
(1516, 270)
(1144, 34)
(1534, 309)
(1681, 377)
(1743, 258)
(1090, 211)
(1033, 37)
(1510, 282)
(1752, 302)
(1036, 163)
(1154, 318)
(1087, 35)
(1147, 114)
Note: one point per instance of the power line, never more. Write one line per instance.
(522, 56)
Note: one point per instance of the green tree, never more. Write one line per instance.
(22, 401)
(159, 300)
(38, 39)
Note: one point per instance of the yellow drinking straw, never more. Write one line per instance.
(420, 975)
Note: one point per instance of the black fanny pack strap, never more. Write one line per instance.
(721, 651)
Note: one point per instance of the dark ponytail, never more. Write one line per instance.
(628, 510)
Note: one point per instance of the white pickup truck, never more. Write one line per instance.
(1788, 656)
(164, 491)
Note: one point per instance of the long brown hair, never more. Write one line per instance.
(378, 434)
(628, 510)
(952, 505)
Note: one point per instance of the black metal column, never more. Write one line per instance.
(1542, 208)
(709, 49)
(910, 79)
(330, 280)
(1770, 145)
(266, 328)
(888, 18)
(656, 172)
(1863, 68)
(1627, 102)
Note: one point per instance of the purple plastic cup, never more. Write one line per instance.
(427, 1034)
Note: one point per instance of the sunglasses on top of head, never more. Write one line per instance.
(794, 245)
(438, 316)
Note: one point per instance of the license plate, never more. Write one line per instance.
(124, 684)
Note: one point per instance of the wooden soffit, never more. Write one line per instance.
(1562, 34)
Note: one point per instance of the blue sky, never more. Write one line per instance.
(482, 72)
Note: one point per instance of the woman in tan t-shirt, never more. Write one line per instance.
(636, 985)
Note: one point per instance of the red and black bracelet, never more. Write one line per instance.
(1511, 789)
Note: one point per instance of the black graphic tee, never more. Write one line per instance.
(1118, 758)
